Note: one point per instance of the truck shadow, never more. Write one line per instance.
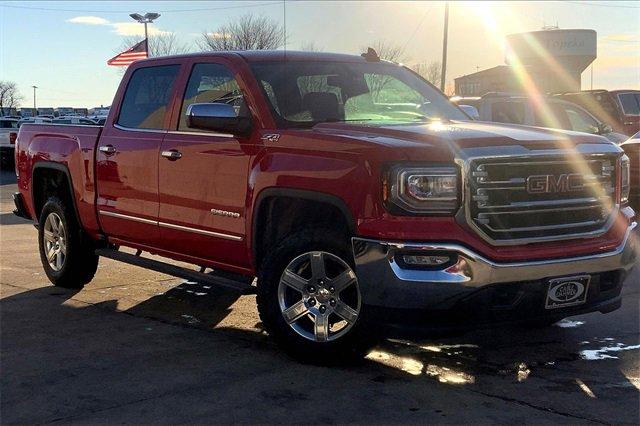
(11, 219)
(48, 326)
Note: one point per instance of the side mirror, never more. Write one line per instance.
(471, 111)
(219, 117)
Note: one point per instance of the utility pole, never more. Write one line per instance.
(443, 74)
(592, 76)
(35, 110)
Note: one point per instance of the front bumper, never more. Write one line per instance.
(384, 283)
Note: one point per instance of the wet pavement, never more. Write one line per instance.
(135, 346)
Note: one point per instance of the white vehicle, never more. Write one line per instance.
(64, 111)
(8, 135)
(74, 120)
(555, 113)
(34, 120)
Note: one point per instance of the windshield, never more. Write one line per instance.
(302, 94)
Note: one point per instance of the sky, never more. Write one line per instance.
(62, 47)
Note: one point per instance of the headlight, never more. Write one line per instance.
(625, 174)
(428, 190)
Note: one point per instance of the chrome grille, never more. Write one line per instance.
(540, 199)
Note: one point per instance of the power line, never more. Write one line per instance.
(50, 9)
(416, 29)
(619, 6)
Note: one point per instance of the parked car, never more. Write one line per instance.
(619, 108)
(8, 136)
(554, 113)
(33, 120)
(632, 149)
(74, 120)
(362, 209)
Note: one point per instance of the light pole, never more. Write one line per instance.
(35, 110)
(148, 18)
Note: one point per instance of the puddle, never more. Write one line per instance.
(568, 324)
(190, 319)
(603, 353)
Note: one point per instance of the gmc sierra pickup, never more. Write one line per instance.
(362, 200)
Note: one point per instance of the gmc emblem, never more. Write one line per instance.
(550, 184)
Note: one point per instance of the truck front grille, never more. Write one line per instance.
(511, 200)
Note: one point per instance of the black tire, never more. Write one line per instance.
(80, 261)
(350, 347)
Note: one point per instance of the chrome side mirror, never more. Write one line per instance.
(219, 117)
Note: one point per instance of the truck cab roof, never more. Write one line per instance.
(268, 56)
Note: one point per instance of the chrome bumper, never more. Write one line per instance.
(383, 282)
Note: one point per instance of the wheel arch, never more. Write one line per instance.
(268, 195)
(38, 194)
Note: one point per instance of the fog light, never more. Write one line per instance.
(425, 260)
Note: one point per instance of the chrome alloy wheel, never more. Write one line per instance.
(319, 296)
(55, 241)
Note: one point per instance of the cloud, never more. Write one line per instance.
(121, 28)
(629, 37)
(88, 20)
(135, 28)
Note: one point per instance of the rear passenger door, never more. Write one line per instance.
(127, 157)
(203, 191)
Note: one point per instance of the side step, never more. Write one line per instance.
(177, 271)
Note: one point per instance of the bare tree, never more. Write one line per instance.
(430, 72)
(159, 45)
(387, 51)
(249, 32)
(310, 47)
(10, 97)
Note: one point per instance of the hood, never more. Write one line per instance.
(445, 139)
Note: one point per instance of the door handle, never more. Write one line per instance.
(172, 154)
(108, 149)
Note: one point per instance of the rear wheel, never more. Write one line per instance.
(67, 255)
(310, 302)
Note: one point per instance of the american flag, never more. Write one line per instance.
(137, 52)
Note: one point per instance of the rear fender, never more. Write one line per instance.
(70, 155)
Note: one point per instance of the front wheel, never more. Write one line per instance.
(67, 255)
(309, 299)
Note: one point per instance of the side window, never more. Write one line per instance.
(508, 112)
(551, 115)
(580, 120)
(147, 97)
(211, 83)
(630, 103)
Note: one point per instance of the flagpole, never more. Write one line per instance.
(146, 38)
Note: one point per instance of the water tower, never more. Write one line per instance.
(555, 58)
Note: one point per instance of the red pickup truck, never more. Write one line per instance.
(362, 200)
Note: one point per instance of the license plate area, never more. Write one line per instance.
(567, 291)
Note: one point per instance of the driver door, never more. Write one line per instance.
(203, 175)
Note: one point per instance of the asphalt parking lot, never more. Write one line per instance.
(136, 346)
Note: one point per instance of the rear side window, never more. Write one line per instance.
(630, 103)
(508, 112)
(147, 97)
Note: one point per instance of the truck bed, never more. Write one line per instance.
(72, 148)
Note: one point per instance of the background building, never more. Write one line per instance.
(554, 59)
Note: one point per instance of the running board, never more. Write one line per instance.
(177, 271)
